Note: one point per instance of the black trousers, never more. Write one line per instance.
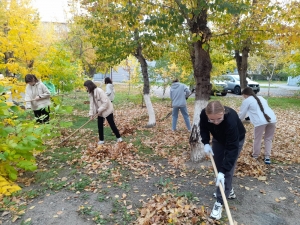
(219, 154)
(44, 113)
(111, 122)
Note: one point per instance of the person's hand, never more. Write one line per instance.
(37, 98)
(220, 180)
(208, 149)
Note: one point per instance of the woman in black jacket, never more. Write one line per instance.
(228, 136)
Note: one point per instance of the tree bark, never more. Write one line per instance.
(146, 88)
(242, 65)
(202, 66)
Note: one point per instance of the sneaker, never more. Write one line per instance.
(267, 161)
(231, 194)
(119, 139)
(216, 212)
(100, 142)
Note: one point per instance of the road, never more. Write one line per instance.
(278, 90)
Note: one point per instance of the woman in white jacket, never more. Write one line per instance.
(37, 97)
(101, 105)
(110, 91)
(262, 117)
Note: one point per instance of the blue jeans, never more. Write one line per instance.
(185, 115)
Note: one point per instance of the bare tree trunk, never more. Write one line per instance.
(146, 89)
(242, 65)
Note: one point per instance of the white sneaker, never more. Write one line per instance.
(216, 212)
(231, 194)
(100, 142)
(119, 139)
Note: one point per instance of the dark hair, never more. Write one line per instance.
(175, 80)
(90, 85)
(248, 91)
(30, 77)
(214, 107)
(107, 80)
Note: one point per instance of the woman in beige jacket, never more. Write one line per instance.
(37, 97)
(101, 105)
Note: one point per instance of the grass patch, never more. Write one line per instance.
(284, 102)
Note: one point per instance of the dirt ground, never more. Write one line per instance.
(104, 190)
(274, 201)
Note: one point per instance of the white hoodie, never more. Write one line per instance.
(31, 92)
(110, 92)
(251, 107)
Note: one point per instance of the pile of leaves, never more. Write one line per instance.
(169, 209)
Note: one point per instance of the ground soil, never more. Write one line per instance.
(274, 201)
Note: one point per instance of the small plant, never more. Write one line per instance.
(189, 195)
(105, 175)
(85, 196)
(81, 184)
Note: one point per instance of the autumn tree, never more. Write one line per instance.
(19, 38)
(121, 28)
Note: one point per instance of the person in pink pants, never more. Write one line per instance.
(263, 118)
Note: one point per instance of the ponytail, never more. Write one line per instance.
(248, 91)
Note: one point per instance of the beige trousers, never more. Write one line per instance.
(269, 130)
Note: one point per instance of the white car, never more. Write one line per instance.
(233, 83)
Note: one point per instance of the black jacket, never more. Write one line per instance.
(228, 133)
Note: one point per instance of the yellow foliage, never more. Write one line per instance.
(8, 187)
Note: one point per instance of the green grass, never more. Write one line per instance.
(284, 102)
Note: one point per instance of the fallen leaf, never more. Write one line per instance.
(15, 218)
(264, 178)
(32, 207)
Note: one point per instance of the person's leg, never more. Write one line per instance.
(174, 117)
(37, 115)
(269, 134)
(186, 117)
(45, 112)
(111, 122)
(100, 128)
(218, 150)
(258, 133)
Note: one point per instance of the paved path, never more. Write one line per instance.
(278, 90)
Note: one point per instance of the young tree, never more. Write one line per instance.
(121, 28)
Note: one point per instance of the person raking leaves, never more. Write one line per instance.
(228, 136)
(101, 105)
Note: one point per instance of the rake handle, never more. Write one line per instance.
(222, 192)
(94, 116)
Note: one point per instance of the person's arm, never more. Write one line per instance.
(45, 91)
(102, 97)
(204, 131)
(108, 89)
(187, 92)
(243, 109)
(27, 98)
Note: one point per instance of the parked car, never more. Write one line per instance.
(219, 87)
(233, 84)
